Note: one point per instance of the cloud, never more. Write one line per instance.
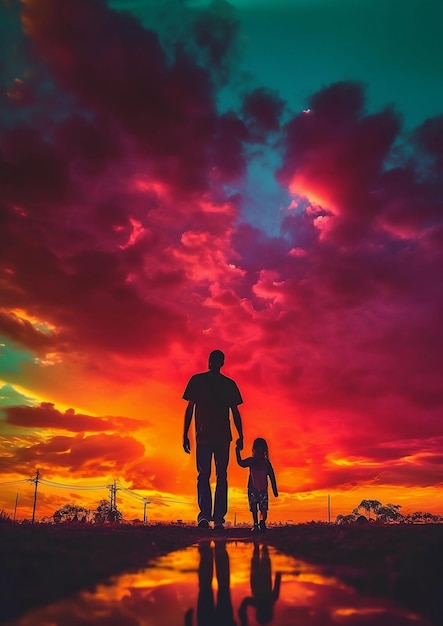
(262, 109)
(22, 331)
(100, 198)
(130, 250)
(153, 474)
(120, 71)
(334, 155)
(429, 137)
(46, 415)
(84, 456)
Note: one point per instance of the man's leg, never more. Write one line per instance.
(221, 456)
(204, 460)
(224, 614)
(205, 602)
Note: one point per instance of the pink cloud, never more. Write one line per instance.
(72, 200)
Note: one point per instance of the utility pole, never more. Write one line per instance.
(113, 501)
(35, 480)
(113, 496)
(145, 518)
(15, 507)
(329, 508)
(235, 520)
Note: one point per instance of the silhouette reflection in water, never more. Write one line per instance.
(264, 595)
(220, 612)
(234, 590)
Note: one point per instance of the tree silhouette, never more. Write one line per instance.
(420, 517)
(347, 519)
(368, 506)
(389, 513)
(105, 514)
(70, 513)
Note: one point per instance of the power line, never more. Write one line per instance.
(114, 487)
(9, 483)
(152, 498)
(51, 483)
(132, 494)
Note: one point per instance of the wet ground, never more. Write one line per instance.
(223, 583)
(353, 575)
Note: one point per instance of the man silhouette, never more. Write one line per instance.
(211, 396)
(220, 611)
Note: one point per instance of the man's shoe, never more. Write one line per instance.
(219, 529)
(203, 523)
(255, 529)
(262, 526)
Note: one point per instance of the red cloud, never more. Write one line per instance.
(125, 238)
(89, 456)
(334, 155)
(120, 70)
(99, 201)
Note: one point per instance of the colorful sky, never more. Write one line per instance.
(260, 177)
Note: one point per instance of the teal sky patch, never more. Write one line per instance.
(12, 358)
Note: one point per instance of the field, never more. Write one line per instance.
(42, 563)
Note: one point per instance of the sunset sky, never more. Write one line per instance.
(263, 177)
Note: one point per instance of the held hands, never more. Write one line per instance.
(239, 443)
(186, 444)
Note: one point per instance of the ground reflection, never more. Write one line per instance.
(222, 584)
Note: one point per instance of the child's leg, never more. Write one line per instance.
(262, 524)
(256, 527)
(255, 515)
(263, 506)
(253, 507)
(263, 511)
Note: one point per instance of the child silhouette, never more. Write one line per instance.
(260, 470)
(264, 596)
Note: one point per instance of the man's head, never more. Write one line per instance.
(216, 360)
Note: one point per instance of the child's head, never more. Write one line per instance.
(260, 448)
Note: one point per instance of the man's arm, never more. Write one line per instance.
(273, 481)
(189, 412)
(238, 424)
(240, 461)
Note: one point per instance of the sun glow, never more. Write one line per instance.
(43, 326)
(351, 462)
(302, 187)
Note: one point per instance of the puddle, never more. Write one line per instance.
(222, 584)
